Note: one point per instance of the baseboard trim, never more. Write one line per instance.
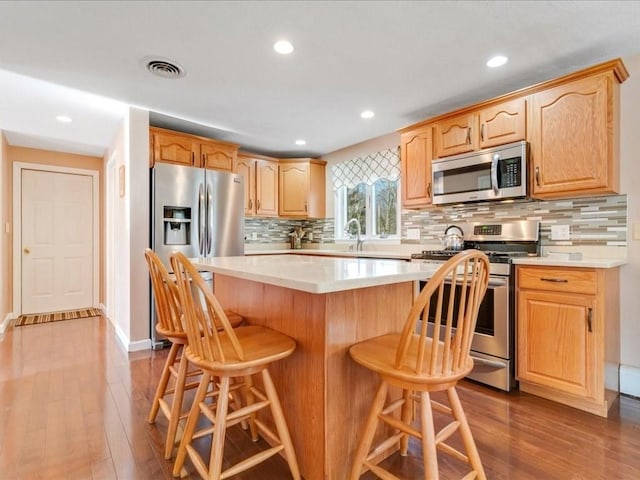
(140, 345)
(630, 380)
(6, 322)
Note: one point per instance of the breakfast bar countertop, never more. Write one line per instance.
(317, 274)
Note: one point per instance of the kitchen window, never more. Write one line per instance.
(367, 189)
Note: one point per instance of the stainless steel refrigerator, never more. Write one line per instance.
(197, 212)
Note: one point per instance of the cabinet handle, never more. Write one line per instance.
(554, 280)
(589, 319)
(305, 206)
(204, 162)
(193, 158)
(482, 132)
(429, 189)
(250, 204)
(538, 176)
(468, 135)
(258, 204)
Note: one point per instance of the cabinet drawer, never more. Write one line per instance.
(574, 280)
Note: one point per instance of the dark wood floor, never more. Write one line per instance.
(73, 405)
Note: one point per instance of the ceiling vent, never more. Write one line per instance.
(164, 68)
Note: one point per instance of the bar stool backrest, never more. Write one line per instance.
(204, 317)
(165, 294)
(465, 277)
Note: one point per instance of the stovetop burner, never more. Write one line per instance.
(494, 256)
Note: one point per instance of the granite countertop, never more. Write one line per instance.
(317, 274)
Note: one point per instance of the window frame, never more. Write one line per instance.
(340, 211)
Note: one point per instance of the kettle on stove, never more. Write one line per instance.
(453, 238)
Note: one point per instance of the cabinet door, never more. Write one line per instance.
(556, 341)
(571, 139)
(456, 135)
(266, 188)
(246, 167)
(217, 156)
(170, 148)
(416, 152)
(293, 189)
(503, 123)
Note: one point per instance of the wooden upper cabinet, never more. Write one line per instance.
(218, 156)
(416, 154)
(573, 136)
(267, 188)
(184, 149)
(456, 135)
(486, 127)
(503, 123)
(246, 167)
(173, 148)
(260, 184)
(301, 188)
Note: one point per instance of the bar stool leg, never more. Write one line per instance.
(164, 381)
(219, 430)
(192, 422)
(369, 431)
(465, 433)
(429, 454)
(281, 424)
(176, 406)
(407, 417)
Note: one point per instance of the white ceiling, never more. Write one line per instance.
(406, 61)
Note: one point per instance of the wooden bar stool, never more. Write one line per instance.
(169, 325)
(420, 364)
(228, 354)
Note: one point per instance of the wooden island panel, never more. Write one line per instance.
(325, 395)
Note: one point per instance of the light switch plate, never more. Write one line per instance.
(636, 231)
(560, 232)
(254, 235)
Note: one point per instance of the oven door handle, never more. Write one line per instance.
(487, 363)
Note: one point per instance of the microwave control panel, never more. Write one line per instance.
(510, 174)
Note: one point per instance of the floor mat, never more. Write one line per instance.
(56, 316)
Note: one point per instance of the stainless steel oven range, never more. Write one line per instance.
(493, 346)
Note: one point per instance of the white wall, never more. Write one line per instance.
(130, 148)
(6, 292)
(630, 273)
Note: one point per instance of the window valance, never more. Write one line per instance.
(368, 169)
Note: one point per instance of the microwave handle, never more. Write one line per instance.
(494, 173)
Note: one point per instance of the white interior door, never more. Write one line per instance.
(57, 241)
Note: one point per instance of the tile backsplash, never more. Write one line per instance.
(592, 221)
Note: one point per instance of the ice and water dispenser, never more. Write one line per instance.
(177, 225)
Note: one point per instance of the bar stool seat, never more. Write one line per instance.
(229, 358)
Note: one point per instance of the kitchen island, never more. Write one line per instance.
(326, 305)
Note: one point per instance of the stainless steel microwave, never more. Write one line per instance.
(492, 174)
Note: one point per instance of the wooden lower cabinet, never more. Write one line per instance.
(568, 335)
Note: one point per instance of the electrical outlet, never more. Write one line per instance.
(310, 236)
(413, 233)
(560, 232)
(254, 235)
(636, 231)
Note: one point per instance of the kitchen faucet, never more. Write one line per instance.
(359, 242)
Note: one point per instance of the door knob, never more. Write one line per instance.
(27, 251)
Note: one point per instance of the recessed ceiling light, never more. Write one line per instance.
(283, 47)
(497, 61)
(301, 142)
(64, 119)
(367, 114)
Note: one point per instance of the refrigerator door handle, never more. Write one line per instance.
(201, 219)
(209, 220)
